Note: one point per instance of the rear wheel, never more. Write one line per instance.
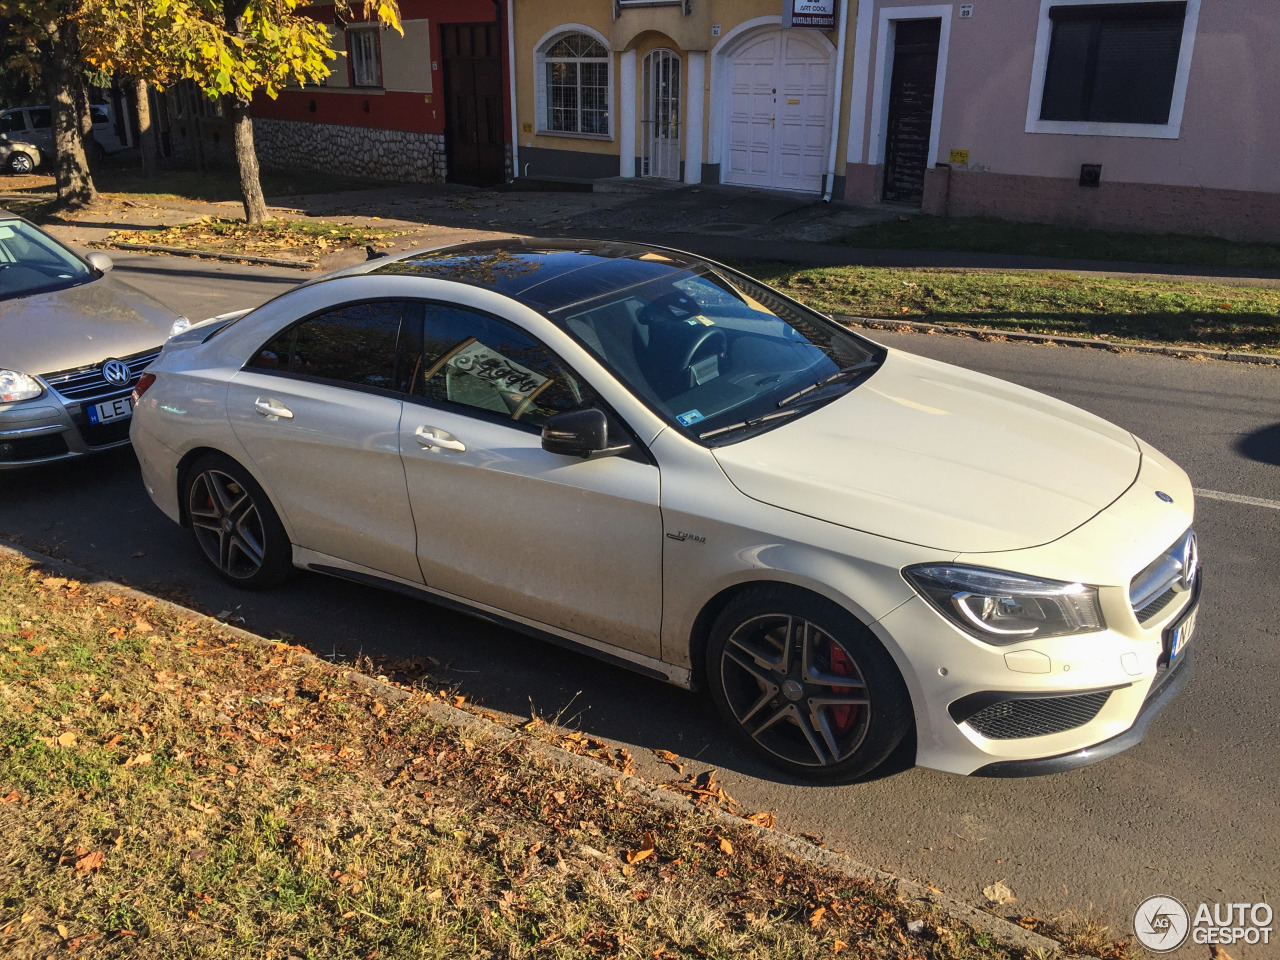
(235, 525)
(21, 163)
(805, 684)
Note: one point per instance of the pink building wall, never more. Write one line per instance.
(1220, 176)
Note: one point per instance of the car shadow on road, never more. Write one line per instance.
(1261, 446)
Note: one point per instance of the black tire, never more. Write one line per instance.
(97, 153)
(773, 661)
(234, 524)
(21, 163)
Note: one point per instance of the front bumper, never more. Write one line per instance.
(1156, 701)
(48, 429)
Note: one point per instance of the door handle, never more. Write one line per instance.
(272, 409)
(433, 438)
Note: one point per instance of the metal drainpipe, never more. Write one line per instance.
(835, 110)
(511, 84)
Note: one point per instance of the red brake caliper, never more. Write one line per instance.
(842, 666)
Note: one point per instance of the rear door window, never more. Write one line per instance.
(355, 345)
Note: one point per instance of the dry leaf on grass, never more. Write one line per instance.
(815, 918)
(139, 760)
(726, 847)
(90, 862)
(645, 850)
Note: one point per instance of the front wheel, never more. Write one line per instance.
(21, 163)
(805, 684)
(235, 525)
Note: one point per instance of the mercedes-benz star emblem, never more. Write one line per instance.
(1190, 564)
(116, 372)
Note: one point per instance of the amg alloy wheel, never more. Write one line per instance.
(806, 685)
(235, 525)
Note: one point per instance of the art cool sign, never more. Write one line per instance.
(815, 14)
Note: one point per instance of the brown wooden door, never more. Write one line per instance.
(473, 129)
(915, 67)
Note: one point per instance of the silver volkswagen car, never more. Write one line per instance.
(639, 453)
(73, 342)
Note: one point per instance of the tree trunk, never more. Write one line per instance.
(71, 169)
(146, 138)
(255, 205)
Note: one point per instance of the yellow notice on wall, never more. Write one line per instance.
(959, 156)
(527, 127)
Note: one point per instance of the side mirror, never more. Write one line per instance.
(99, 261)
(579, 433)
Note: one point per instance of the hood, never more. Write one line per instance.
(932, 454)
(79, 326)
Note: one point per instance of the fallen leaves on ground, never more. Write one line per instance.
(305, 239)
(998, 892)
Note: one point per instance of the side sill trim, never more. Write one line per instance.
(1041, 766)
(677, 676)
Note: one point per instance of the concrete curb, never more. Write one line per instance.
(1007, 933)
(206, 254)
(984, 333)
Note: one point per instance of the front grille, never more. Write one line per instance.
(1152, 609)
(32, 448)
(1038, 717)
(1160, 583)
(88, 383)
(104, 434)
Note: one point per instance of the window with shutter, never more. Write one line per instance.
(1113, 63)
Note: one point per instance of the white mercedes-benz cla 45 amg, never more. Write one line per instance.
(649, 456)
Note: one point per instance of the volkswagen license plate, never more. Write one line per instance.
(109, 410)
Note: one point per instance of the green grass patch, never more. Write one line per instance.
(1134, 311)
(278, 237)
(984, 235)
(201, 795)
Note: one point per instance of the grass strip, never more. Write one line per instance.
(986, 235)
(294, 238)
(167, 789)
(1180, 313)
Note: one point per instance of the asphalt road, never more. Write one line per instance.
(1191, 812)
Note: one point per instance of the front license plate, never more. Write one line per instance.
(1182, 635)
(110, 410)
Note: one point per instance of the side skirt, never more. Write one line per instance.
(648, 666)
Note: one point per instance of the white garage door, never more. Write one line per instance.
(779, 122)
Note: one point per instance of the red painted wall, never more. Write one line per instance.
(390, 109)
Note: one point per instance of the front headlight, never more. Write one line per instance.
(1001, 608)
(182, 323)
(17, 386)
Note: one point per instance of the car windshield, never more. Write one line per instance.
(33, 262)
(717, 355)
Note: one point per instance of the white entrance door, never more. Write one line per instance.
(661, 118)
(779, 111)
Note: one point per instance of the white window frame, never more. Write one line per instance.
(540, 49)
(1151, 131)
(357, 34)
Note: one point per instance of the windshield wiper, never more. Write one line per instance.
(756, 422)
(845, 373)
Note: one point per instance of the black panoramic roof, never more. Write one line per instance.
(545, 275)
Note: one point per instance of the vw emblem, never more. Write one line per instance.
(1190, 564)
(116, 373)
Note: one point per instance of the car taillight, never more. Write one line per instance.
(144, 381)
